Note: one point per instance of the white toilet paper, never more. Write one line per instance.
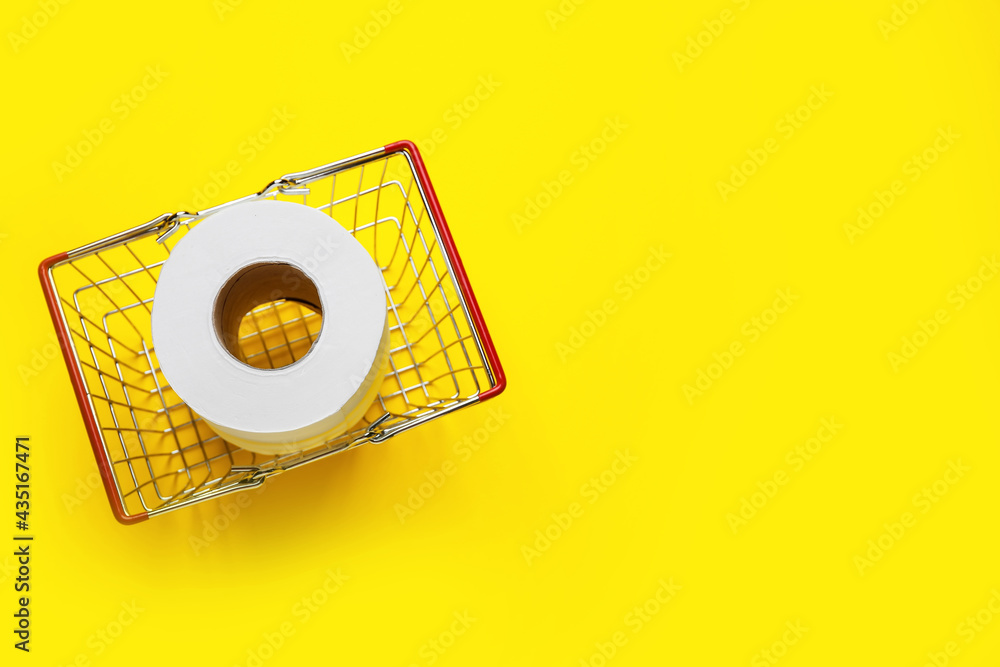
(234, 261)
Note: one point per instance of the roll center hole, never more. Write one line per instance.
(266, 314)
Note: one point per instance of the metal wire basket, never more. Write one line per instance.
(154, 453)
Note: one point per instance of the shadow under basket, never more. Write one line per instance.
(154, 453)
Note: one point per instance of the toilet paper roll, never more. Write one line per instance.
(248, 255)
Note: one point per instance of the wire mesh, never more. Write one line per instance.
(160, 453)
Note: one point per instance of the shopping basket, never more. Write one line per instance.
(154, 453)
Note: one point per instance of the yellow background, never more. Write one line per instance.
(566, 416)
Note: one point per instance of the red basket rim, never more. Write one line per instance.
(461, 275)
